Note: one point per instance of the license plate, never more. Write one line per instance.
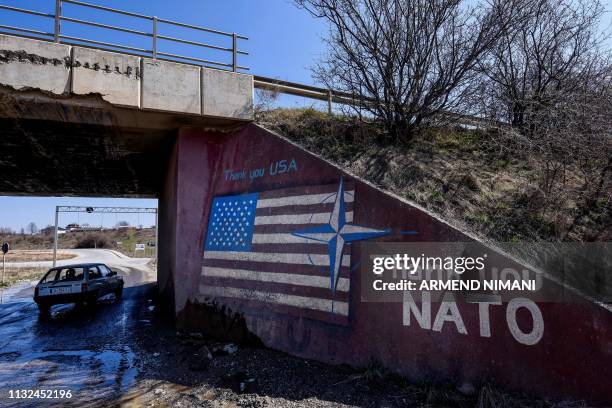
(57, 291)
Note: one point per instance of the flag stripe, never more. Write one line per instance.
(312, 247)
(306, 190)
(280, 228)
(276, 277)
(271, 287)
(301, 209)
(287, 258)
(302, 200)
(282, 238)
(325, 305)
(303, 190)
(275, 267)
(292, 219)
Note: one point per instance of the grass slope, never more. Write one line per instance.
(460, 174)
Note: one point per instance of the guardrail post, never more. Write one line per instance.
(234, 52)
(154, 37)
(58, 21)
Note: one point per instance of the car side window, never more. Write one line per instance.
(50, 276)
(70, 275)
(105, 271)
(94, 273)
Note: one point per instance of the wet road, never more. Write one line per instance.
(90, 353)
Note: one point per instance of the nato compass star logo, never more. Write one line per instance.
(337, 233)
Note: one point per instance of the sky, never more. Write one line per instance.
(284, 42)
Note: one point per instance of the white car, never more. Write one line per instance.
(79, 283)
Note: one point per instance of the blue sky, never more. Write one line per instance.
(283, 41)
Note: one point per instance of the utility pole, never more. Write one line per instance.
(157, 235)
(55, 237)
(5, 249)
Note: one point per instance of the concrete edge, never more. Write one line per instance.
(70, 84)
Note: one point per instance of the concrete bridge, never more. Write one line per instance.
(261, 239)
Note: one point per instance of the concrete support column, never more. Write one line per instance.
(183, 212)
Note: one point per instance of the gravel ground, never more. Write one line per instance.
(187, 370)
(122, 354)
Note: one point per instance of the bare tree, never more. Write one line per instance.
(540, 59)
(549, 78)
(32, 228)
(569, 143)
(410, 59)
(265, 100)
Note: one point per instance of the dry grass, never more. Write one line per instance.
(121, 240)
(14, 274)
(35, 255)
(460, 174)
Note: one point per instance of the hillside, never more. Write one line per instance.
(463, 175)
(122, 240)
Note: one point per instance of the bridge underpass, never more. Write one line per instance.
(187, 141)
(84, 146)
(42, 154)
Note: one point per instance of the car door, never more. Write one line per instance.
(111, 279)
(97, 283)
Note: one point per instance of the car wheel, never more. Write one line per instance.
(43, 308)
(91, 300)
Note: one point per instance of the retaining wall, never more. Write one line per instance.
(275, 286)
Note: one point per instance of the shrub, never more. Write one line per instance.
(93, 241)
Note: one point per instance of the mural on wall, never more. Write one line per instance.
(338, 232)
(287, 249)
(281, 262)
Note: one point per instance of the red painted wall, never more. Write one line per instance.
(569, 361)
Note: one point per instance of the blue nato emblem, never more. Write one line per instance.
(337, 233)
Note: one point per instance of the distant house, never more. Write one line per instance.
(73, 227)
(51, 230)
(89, 228)
(81, 228)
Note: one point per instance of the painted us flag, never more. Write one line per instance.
(252, 257)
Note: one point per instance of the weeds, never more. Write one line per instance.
(467, 176)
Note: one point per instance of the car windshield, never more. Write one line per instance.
(64, 275)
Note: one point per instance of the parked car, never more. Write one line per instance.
(79, 283)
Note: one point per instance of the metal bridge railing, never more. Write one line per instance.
(154, 34)
(291, 88)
